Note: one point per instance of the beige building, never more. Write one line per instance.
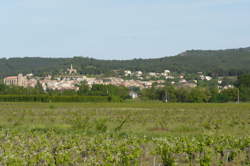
(18, 80)
(71, 70)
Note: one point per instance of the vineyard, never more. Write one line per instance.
(140, 134)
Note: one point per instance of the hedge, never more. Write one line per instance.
(46, 98)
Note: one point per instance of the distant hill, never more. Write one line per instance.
(215, 62)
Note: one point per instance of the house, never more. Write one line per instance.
(127, 73)
(133, 94)
(182, 81)
(166, 71)
(138, 73)
(32, 83)
(169, 77)
(181, 76)
(189, 85)
(228, 87)
(202, 77)
(152, 74)
(208, 78)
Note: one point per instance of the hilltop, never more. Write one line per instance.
(214, 62)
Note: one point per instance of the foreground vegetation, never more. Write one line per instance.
(149, 133)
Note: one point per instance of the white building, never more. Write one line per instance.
(208, 78)
(138, 73)
(183, 81)
(152, 74)
(166, 71)
(127, 73)
(133, 95)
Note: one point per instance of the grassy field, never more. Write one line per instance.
(143, 133)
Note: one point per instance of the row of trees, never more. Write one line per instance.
(47, 98)
(114, 93)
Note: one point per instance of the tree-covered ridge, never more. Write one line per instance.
(219, 62)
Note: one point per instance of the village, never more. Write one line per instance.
(70, 79)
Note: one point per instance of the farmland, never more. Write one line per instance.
(136, 133)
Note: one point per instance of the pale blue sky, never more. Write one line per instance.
(116, 29)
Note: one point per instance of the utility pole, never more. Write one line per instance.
(238, 99)
(166, 97)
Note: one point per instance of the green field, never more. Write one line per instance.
(143, 133)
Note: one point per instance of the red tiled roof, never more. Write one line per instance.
(11, 77)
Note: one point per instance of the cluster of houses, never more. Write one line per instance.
(140, 75)
(71, 79)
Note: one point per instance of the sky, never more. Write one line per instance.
(116, 29)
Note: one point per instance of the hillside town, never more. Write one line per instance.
(70, 79)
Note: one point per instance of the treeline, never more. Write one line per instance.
(241, 92)
(97, 93)
(190, 95)
(217, 63)
(47, 98)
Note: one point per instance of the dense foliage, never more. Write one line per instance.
(191, 95)
(50, 149)
(243, 84)
(97, 93)
(47, 98)
(221, 62)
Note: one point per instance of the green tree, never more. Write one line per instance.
(243, 84)
(198, 95)
(228, 95)
(83, 88)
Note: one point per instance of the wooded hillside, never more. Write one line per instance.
(219, 62)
